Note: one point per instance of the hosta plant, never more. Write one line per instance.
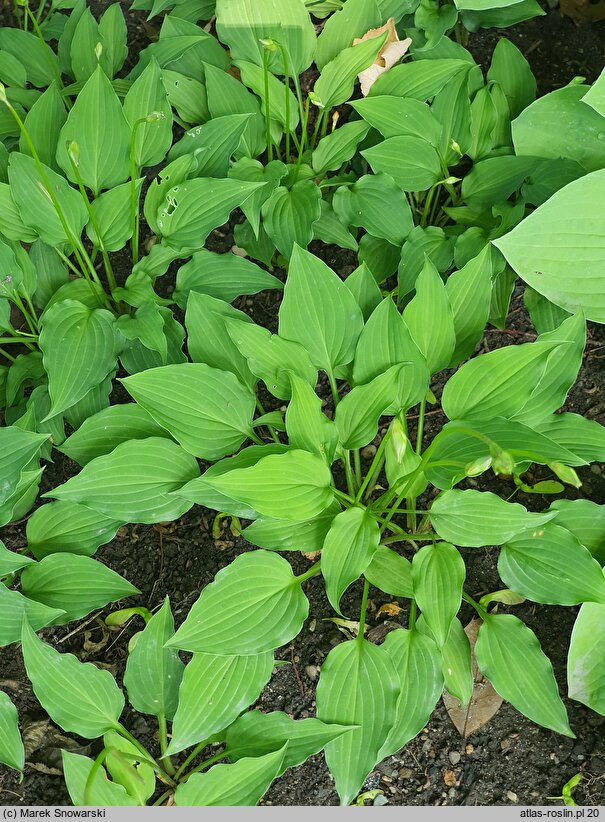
(394, 521)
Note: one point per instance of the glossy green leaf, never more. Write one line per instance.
(213, 144)
(363, 286)
(430, 320)
(76, 584)
(98, 791)
(417, 661)
(358, 685)
(352, 20)
(319, 312)
(43, 123)
(14, 607)
(78, 696)
(376, 203)
(512, 72)
(347, 551)
(37, 57)
(335, 84)
(127, 767)
(586, 521)
(112, 217)
(339, 146)
(469, 294)
(12, 752)
(243, 783)
(209, 412)
(457, 664)
(475, 518)
(390, 572)
(146, 96)
(253, 76)
(289, 214)
(134, 481)
(419, 79)
(509, 655)
(79, 351)
(542, 249)
(586, 438)
(68, 527)
(268, 609)
(98, 125)
(411, 161)
(285, 535)
(438, 574)
(395, 116)
(213, 693)
(585, 668)
(29, 189)
(307, 426)
(223, 276)
(19, 447)
(10, 561)
(153, 671)
(255, 734)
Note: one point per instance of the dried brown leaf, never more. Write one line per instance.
(391, 52)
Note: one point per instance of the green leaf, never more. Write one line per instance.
(512, 72)
(18, 447)
(319, 312)
(271, 175)
(37, 57)
(134, 482)
(498, 383)
(112, 216)
(354, 19)
(12, 70)
(209, 341)
(586, 521)
(347, 551)
(271, 358)
(223, 276)
(68, 527)
(74, 583)
(542, 248)
(285, 535)
(153, 672)
(51, 273)
(586, 438)
(81, 43)
(128, 768)
(585, 668)
(595, 96)
(243, 27)
(376, 203)
(187, 96)
(417, 661)
(78, 696)
(390, 572)
(551, 566)
(146, 96)
(97, 124)
(295, 485)
(30, 192)
(193, 209)
(330, 229)
(438, 574)
(43, 123)
(10, 561)
(112, 33)
(457, 663)
(289, 214)
(339, 146)
(469, 294)
(335, 84)
(508, 653)
(209, 412)
(548, 128)
(411, 161)
(98, 791)
(78, 347)
(308, 428)
(358, 686)
(11, 224)
(213, 693)
(267, 610)
(431, 242)
(472, 519)
(420, 79)
(254, 77)
(545, 316)
(395, 116)
(363, 286)
(430, 320)
(241, 784)
(212, 144)
(14, 607)
(12, 752)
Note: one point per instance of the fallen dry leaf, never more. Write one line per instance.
(483, 704)
(312, 555)
(583, 11)
(390, 609)
(391, 52)
(449, 777)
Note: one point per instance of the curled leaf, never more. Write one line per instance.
(391, 52)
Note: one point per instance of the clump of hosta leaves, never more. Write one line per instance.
(298, 481)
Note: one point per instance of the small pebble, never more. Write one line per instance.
(405, 773)
(454, 757)
(381, 800)
(512, 796)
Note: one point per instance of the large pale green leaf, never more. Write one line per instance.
(153, 671)
(319, 312)
(559, 249)
(417, 661)
(39, 60)
(194, 208)
(213, 143)
(390, 572)
(98, 790)
(512, 72)
(585, 666)
(595, 96)
(586, 521)
(339, 146)
(550, 565)
(18, 448)
(509, 655)
(267, 609)
(78, 696)
(347, 551)
(255, 734)
(213, 693)
(43, 123)
(341, 28)
(335, 84)
(430, 319)
(358, 686)
(243, 26)
(112, 216)
(285, 535)
(69, 527)
(254, 77)
(29, 189)
(289, 214)
(586, 438)
(375, 202)
(475, 518)
(307, 426)
(11, 561)
(207, 410)
(146, 96)
(98, 125)
(438, 574)
(411, 161)
(134, 481)
(469, 293)
(14, 607)
(243, 783)
(12, 752)
(79, 351)
(74, 583)
(497, 384)
(419, 79)
(395, 116)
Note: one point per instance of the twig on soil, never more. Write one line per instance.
(296, 674)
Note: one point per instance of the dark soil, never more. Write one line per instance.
(510, 760)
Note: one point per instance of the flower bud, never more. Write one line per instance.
(268, 43)
(154, 116)
(73, 152)
(565, 474)
(478, 466)
(3, 97)
(503, 463)
(98, 51)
